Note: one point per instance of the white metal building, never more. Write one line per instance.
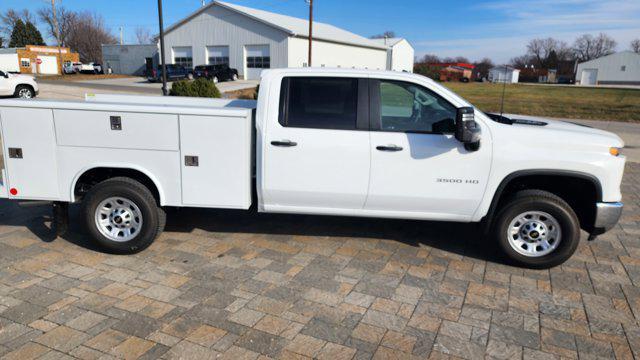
(501, 74)
(621, 68)
(400, 54)
(251, 40)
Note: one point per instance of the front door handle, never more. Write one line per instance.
(284, 143)
(389, 148)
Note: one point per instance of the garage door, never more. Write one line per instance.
(48, 65)
(258, 58)
(183, 55)
(217, 55)
(589, 77)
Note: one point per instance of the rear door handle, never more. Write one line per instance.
(389, 148)
(284, 143)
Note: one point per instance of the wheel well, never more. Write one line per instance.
(580, 192)
(96, 175)
(24, 85)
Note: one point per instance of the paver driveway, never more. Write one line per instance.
(232, 285)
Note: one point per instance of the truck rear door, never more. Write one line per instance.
(316, 155)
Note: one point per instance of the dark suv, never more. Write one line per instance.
(174, 72)
(221, 72)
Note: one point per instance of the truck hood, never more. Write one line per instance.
(21, 77)
(564, 131)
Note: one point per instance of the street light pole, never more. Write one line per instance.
(162, 60)
(310, 30)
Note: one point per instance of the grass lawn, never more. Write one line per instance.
(554, 101)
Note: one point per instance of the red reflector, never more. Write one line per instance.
(13, 191)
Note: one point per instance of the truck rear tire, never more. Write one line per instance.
(122, 215)
(537, 229)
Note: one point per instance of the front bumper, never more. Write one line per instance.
(607, 216)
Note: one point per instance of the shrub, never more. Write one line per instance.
(198, 88)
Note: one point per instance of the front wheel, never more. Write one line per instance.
(234, 77)
(122, 215)
(537, 229)
(24, 92)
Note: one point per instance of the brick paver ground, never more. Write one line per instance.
(229, 285)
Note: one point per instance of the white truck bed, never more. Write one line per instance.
(61, 140)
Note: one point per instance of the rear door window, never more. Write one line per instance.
(319, 103)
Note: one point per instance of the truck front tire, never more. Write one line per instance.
(122, 215)
(537, 229)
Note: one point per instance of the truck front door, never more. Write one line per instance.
(418, 168)
(316, 154)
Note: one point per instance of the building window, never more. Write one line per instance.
(183, 56)
(25, 62)
(259, 62)
(623, 68)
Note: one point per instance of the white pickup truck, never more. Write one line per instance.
(318, 141)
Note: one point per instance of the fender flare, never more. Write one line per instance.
(489, 217)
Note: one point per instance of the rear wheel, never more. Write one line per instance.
(24, 92)
(234, 77)
(537, 229)
(122, 215)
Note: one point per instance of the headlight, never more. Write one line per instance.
(615, 151)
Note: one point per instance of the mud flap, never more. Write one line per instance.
(60, 222)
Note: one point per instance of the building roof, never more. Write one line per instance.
(616, 54)
(289, 24)
(458, 65)
(388, 41)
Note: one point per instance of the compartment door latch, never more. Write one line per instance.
(116, 122)
(15, 153)
(191, 161)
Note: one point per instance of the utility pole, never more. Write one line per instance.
(55, 24)
(310, 30)
(163, 64)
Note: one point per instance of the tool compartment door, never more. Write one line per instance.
(216, 161)
(30, 146)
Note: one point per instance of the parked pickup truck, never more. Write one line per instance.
(318, 141)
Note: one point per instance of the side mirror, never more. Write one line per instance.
(467, 130)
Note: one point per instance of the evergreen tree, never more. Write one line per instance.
(18, 34)
(34, 36)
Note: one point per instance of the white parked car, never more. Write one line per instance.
(335, 142)
(16, 85)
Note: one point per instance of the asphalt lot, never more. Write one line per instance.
(237, 285)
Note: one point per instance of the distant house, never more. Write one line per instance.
(621, 68)
(400, 54)
(129, 59)
(454, 71)
(504, 74)
(36, 59)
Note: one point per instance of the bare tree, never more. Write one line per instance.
(143, 36)
(429, 59)
(387, 34)
(546, 51)
(521, 62)
(482, 68)
(588, 47)
(635, 46)
(65, 20)
(87, 34)
(9, 18)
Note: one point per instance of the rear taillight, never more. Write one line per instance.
(154, 73)
(206, 73)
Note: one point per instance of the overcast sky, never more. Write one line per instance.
(496, 29)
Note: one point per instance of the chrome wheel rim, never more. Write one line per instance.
(215, 79)
(118, 219)
(24, 93)
(534, 234)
